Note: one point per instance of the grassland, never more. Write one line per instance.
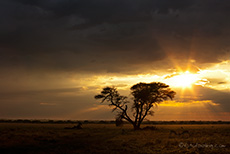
(107, 138)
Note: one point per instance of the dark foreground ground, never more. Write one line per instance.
(24, 138)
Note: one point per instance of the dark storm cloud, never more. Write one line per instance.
(110, 35)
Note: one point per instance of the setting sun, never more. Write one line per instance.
(184, 80)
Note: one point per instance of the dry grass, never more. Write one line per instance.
(106, 138)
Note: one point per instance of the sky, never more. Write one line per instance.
(55, 55)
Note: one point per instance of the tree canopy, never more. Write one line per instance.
(145, 96)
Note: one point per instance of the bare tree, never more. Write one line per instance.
(145, 97)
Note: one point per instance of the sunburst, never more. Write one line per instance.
(183, 79)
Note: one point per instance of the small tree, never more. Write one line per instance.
(145, 97)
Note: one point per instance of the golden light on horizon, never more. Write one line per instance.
(214, 77)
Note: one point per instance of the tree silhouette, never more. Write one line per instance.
(145, 97)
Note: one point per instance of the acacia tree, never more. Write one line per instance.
(145, 96)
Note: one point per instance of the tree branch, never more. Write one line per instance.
(140, 114)
(137, 113)
(124, 110)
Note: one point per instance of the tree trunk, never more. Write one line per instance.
(136, 127)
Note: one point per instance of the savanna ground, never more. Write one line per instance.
(107, 138)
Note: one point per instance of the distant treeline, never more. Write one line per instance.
(107, 122)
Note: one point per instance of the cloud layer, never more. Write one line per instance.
(111, 36)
